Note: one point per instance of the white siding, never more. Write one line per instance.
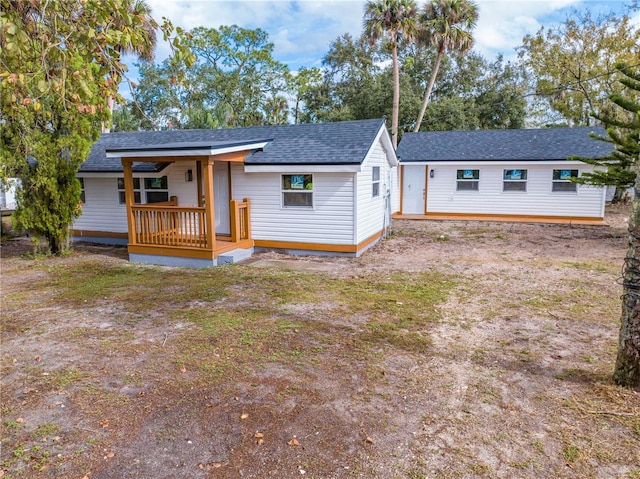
(187, 192)
(490, 199)
(8, 194)
(370, 210)
(329, 222)
(102, 210)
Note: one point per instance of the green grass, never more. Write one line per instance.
(46, 429)
(571, 452)
(186, 336)
(597, 266)
(64, 377)
(240, 316)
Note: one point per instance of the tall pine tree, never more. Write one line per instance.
(627, 143)
(616, 168)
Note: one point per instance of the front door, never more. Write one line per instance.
(414, 190)
(221, 197)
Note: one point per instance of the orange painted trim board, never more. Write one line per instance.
(331, 248)
(575, 220)
(99, 234)
(169, 251)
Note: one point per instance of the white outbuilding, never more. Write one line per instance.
(501, 175)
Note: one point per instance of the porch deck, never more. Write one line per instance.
(165, 229)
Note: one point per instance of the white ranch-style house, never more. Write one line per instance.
(207, 197)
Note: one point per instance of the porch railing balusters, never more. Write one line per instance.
(168, 225)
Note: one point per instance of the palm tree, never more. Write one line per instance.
(394, 18)
(447, 24)
(143, 45)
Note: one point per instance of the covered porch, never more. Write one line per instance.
(174, 234)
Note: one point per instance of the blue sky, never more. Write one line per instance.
(302, 30)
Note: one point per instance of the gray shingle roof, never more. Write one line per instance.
(340, 143)
(503, 145)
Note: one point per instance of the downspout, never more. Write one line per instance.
(386, 221)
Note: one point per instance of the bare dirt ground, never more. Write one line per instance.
(282, 367)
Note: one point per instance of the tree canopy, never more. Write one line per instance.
(572, 65)
(60, 63)
(234, 81)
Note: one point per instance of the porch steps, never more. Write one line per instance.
(235, 255)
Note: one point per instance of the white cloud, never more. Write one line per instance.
(302, 30)
(503, 24)
(298, 29)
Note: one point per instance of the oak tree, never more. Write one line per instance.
(572, 65)
(59, 63)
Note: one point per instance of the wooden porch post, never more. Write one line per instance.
(129, 197)
(247, 217)
(199, 181)
(235, 221)
(207, 170)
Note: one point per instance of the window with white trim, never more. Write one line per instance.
(297, 191)
(152, 190)
(467, 180)
(83, 196)
(375, 178)
(562, 181)
(514, 180)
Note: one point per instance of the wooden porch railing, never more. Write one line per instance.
(165, 224)
(240, 220)
(170, 226)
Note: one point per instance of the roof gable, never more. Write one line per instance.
(503, 145)
(340, 143)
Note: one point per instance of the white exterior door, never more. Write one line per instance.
(221, 197)
(414, 190)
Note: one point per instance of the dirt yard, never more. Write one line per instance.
(450, 350)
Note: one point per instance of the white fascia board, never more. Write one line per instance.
(505, 163)
(387, 146)
(119, 174)
(302, 168)
(182, 152)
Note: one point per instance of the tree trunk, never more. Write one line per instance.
(110, 102)
(396, 93)
(620, 195)
(427, 94)
(627, 370)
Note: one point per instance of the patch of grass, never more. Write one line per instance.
(11, 425)
(596, 265)
(46, 429)
(538, 446)
(19, 450)
(62, 378)
(571, 452)
(397, 310)
(89, 282)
